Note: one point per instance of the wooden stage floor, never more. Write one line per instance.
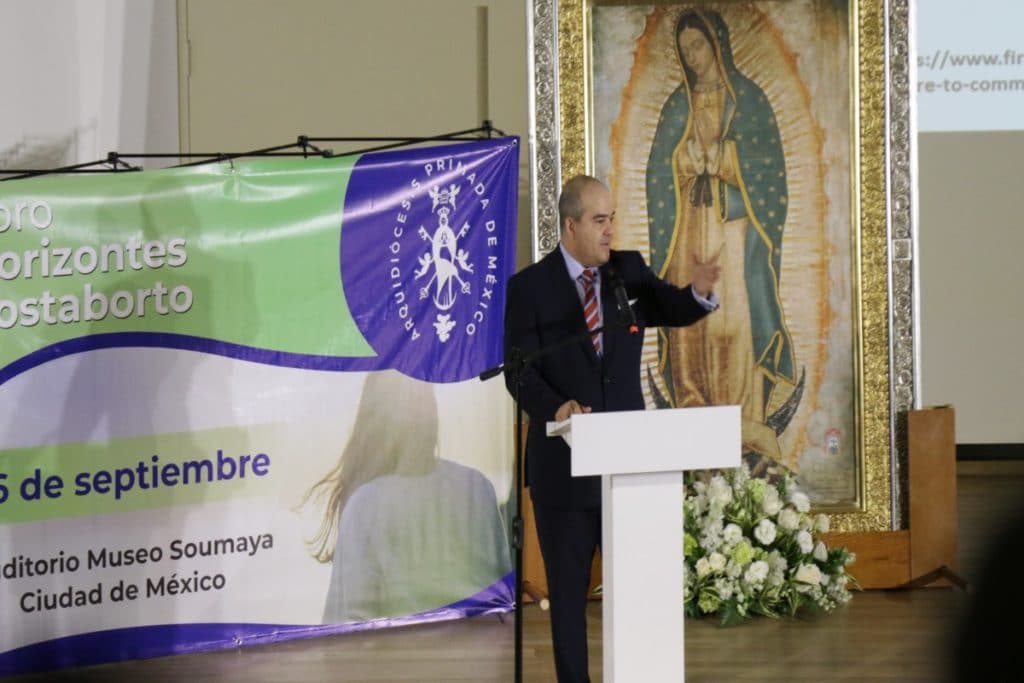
(879, 636)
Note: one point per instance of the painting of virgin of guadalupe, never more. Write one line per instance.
(728, 143)
(726, 213)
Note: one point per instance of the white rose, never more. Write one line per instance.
(809, 574)
(820, 552)
(804, 540)
(800, 501)
(701, 504)
(711, 535)
(757, 572)
(732, 534)
(837, 591)
(717, 562)
(789, 519)
(719, 491)
(765, 532)
(733, 569)
(777, 561)
(821, 524)
(703, 567)
(771, 503)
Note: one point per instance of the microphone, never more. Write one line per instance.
(622, 300)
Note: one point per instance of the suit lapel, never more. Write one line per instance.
(566, 297)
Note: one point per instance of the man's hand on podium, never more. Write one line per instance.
(569, 408)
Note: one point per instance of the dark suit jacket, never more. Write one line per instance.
(544, 308)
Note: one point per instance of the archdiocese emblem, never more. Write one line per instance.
(444, 261)
(425, 254)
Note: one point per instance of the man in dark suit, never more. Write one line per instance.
(569, 291)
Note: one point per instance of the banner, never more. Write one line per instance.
(239, 402)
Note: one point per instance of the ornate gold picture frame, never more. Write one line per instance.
(881, 337)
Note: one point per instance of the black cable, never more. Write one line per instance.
(115, 163)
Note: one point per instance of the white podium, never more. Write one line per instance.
(641, 456)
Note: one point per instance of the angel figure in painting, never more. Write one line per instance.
(717, 192)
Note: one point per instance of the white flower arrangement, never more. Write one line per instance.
(751, 548)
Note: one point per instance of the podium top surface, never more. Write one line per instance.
(656, 440)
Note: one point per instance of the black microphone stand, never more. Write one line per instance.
(513, 367)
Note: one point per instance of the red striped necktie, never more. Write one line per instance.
(590, 309)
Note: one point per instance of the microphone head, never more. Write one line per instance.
(618, 286)
(610, 275)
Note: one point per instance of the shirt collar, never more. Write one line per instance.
(574, 267)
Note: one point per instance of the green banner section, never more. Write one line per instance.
(244, 252)
(124, 475)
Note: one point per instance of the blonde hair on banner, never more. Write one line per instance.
(395, 432)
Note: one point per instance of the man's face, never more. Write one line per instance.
(589, 239)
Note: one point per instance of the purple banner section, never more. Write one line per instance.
(427, 245)
(141, 642)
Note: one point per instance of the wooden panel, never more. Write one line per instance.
(931, 468)
(883, 557)
(533, 564)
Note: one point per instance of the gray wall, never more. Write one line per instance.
(971, 240)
